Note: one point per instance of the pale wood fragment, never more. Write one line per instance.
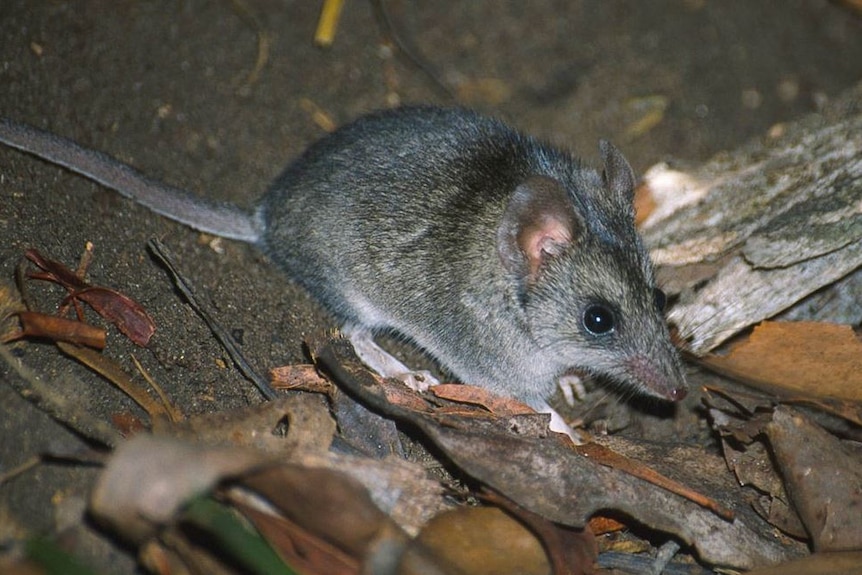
(753, 232)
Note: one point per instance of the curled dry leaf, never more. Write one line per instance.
(40, 325)
(124, 312)
(303, 551)
(823, 479)
(330, 506)
(741, 422)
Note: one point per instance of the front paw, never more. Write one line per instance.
(419, 380)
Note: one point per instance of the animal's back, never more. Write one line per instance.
(381, 205)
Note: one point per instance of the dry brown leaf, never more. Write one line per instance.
(605, 456)
(331, 508)
(741, 425)
(823, 478)
(129, 316)
(817, 564)
(498, 405)
(399, 394)
(780, 513)
(808, 358)
(571, 551)
(602, 525)
(303, 377)
(484, 541)
(113, 372)
(121, 310)
(304, 551)
(645, 204)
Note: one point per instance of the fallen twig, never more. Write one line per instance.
(184, 285)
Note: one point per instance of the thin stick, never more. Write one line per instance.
(228, 342)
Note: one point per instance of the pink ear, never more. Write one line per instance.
(538, 224)
(546, 239)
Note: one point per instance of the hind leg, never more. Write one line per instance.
(382, 362)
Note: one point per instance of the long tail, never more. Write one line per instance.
(222, 219)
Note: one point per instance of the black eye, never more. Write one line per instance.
(660, 299)
(598, 319)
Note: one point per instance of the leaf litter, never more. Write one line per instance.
(326, 476)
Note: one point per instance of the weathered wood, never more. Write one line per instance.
(754, 232)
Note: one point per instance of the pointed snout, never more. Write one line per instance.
(658, 378)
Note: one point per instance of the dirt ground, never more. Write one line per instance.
(169, 88)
